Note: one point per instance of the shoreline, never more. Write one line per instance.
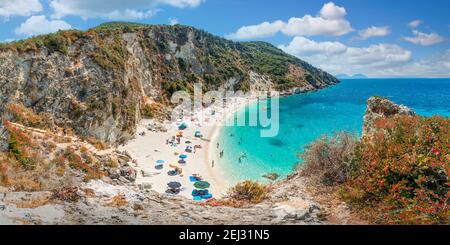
(152, 146)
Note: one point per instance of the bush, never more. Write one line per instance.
(330, 160)
(20, 114)
(403, 176)
(147, 111)
(249, 191)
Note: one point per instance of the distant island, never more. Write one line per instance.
(355, 76)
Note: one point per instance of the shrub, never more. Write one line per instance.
(249, 191)
(147, 111)
(20, 147)
(330, 159)
(118, 201)
(403, 176)
(98, 144)
(20, 114)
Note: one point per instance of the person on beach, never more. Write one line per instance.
(221, 154)
(212, 164)
(217, 145)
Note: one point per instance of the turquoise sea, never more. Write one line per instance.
(305, 117)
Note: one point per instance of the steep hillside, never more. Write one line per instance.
(99, 82)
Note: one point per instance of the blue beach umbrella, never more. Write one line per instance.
(160, 162)
(183, 156)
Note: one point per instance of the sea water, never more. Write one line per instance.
(306, 117)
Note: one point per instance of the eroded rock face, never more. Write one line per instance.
(377, 108)
(97, 82)
(95, 205)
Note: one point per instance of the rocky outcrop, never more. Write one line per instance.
(377, 108)
(101, 203)
(97, 82)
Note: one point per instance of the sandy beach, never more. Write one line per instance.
(152, 146)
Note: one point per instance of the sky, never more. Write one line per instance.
(378, 38)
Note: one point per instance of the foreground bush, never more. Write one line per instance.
(249, 191)
(403, 174)
(330, 159)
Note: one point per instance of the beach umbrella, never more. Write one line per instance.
(201, 185)
(182, 126)
(188, 142)
(183, 156)
(172, 173)
(160, 162)
(199, 192)
(174, 185)
(182, 161)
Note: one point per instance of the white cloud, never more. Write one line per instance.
(265, 29)
(8, 40)
(415, 23)
(173, 21)
(182, 3)
(314, 26)
(301, 46)
(336, 57)
(437, 65)
(130, 14)
(332, 12)
(330, 21)
(424, 39)
(36, 25)
(374, 32)
(9, 8)
(115, 9)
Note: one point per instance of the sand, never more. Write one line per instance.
(151, 147)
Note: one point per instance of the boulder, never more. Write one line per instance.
(129, 173)
(378, 107)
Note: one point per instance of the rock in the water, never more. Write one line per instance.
(271, 176)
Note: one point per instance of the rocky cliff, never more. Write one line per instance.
(98, 82)
(378, 107)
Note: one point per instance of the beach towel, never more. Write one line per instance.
(197, 198)
(193, 179)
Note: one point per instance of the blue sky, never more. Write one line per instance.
(380, 38)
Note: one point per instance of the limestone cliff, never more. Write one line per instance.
(97, 82)
(377, 108)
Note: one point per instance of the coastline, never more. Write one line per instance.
(150, 147)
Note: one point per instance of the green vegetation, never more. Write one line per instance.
(330, 160)
(55, 42)
(398, 175)
(118, 26)
(148, 111)
(110, 53)
(178, 85)
(20, 114)
(249, 191)
(267, 59)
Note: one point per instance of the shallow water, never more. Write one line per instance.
(305, 117)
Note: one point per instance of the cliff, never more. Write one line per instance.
(98, 82)
(377, 108)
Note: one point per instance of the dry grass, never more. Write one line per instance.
(34, 203)
(118, 201)
(89, 192)
(98, 144)
(330, 160)
(249, 191)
